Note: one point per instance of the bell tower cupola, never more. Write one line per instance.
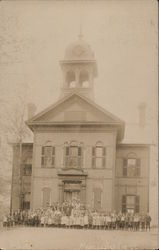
(79, 69)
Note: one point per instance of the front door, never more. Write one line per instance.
(69, 195)
(76, 195)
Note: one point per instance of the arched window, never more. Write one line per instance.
(73, 156)
(84, 79)
(131, 166)
(98, 155)
(70, 79)
(48, 155)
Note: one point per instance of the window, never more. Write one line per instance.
(26, 201)
(26, 205)
(130, 203)
(46, 197)
(131, 167)
(73, 155)
(98, 156)
(48, 156)
(97, 199)
(27, 169)
(27, 162)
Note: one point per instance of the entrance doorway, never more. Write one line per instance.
(69, 195)
(72, 191)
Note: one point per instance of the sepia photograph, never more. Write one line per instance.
(79, 125)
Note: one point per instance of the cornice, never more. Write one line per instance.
(74, 129)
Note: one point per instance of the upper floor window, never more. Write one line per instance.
(99, 155)
(27, 162)
(131, 166)
(48, 156)
(73, 155)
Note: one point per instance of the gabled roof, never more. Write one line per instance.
(107, 117)
(96, 106)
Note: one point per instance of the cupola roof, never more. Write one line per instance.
(79, 51)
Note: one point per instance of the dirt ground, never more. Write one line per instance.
(58, 238)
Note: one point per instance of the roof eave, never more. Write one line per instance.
(118, 125)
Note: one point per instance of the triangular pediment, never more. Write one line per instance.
(77, 109)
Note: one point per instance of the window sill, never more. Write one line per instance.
(43, 167)
(131, 177)
(67, 168)
(102, 168)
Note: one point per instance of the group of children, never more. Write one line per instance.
(76, 216)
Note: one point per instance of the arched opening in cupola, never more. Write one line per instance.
(70, 79)
(84, 79)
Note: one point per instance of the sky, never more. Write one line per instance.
(122, 34)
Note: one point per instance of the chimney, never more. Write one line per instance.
(142, 114)
(31, 110)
